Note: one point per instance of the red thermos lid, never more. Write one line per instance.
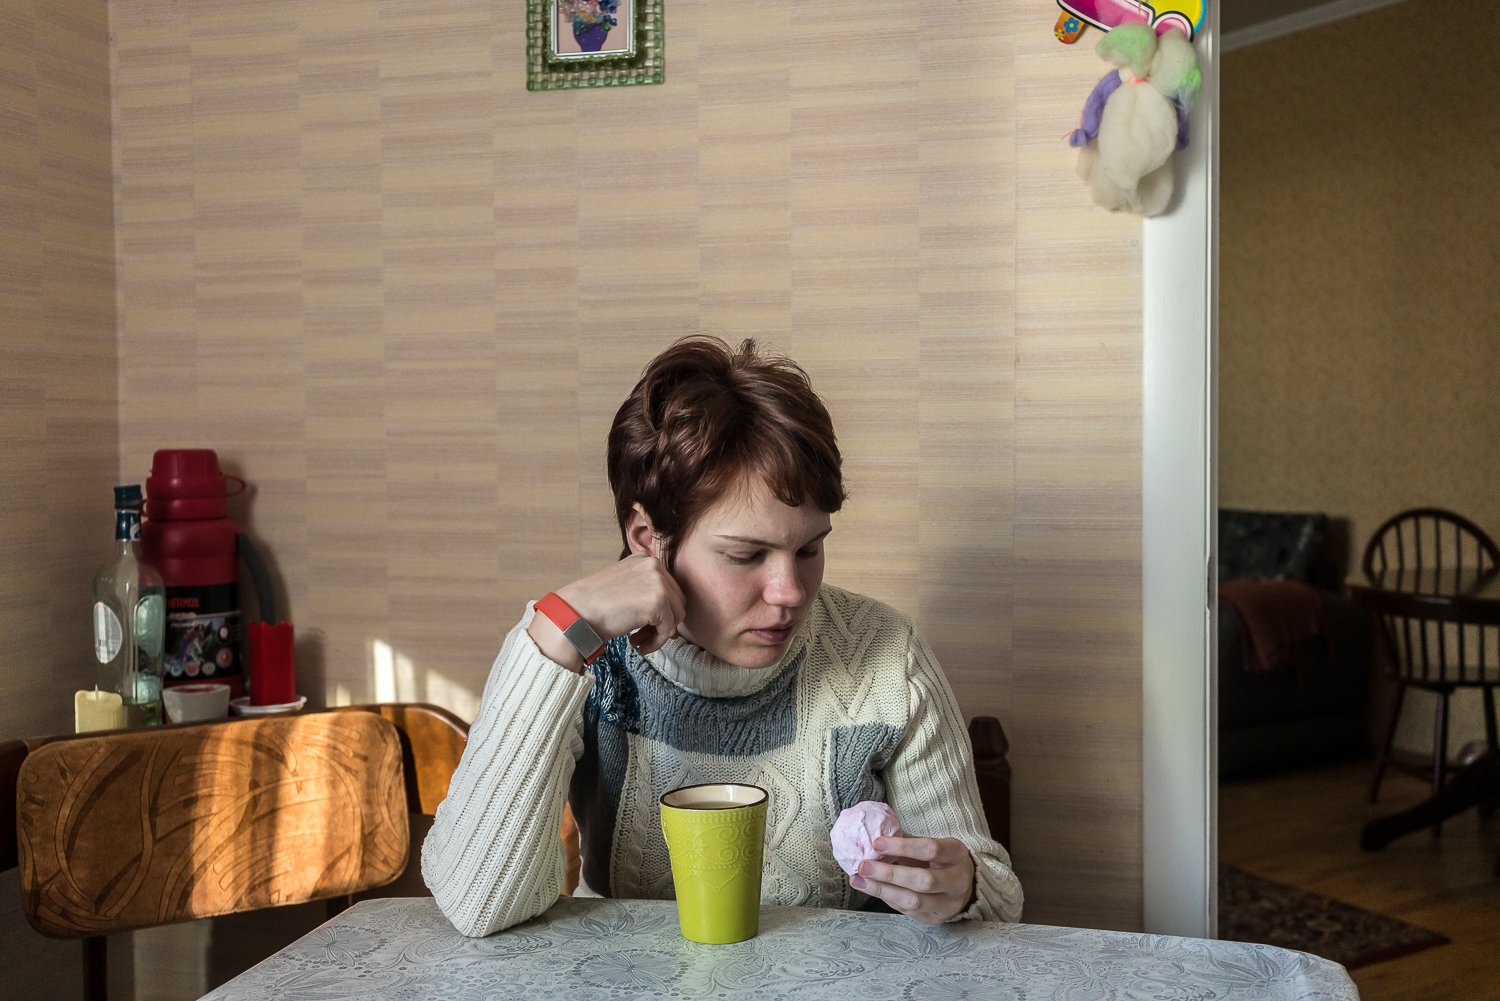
(186, 483)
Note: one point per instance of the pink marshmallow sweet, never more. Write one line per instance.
(855, 831)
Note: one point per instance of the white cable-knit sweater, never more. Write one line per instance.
(856, 709)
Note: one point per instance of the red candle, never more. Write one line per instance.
(273, 679)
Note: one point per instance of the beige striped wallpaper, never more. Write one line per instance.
(402, 296)
(59, 401)
(59, 405)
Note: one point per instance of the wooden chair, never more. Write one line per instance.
(245, 814)
(133, 829)
(1427, 645)
(1428, 538)
(1439, 647)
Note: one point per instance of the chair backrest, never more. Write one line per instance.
(12, 753)
(992, 770)
(137, 828)
(432, 741)
(1429, 538)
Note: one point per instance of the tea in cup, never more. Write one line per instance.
(716, 835)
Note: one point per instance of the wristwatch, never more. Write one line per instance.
(575, 628)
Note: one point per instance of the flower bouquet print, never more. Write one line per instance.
(593, 43)
(584, 29)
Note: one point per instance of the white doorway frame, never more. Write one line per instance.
(1178, 516)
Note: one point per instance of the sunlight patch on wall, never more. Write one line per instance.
(397, 679)
(395, 676)
(458, 698)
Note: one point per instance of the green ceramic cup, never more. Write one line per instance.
(716, 835)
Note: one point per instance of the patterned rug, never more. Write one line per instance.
(1252, 909)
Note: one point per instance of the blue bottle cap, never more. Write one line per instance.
(128, 496)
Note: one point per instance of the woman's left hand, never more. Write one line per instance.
(932, 879)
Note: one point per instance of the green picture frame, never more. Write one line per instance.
(562, 51)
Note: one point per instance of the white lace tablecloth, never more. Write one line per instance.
(592, 949)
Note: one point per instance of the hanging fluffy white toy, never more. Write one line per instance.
(1136, 117)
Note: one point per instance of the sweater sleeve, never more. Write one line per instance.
(931, 785)
(494, 857)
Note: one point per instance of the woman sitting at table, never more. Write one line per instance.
(724, 658)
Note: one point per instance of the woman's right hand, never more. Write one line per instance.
(636, 596)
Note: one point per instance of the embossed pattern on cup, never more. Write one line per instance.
(716, 837)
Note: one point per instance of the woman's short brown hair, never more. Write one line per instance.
(702, 419)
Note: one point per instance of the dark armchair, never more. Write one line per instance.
(1294, 656)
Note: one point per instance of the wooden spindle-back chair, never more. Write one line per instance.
(1428, 538)
(1429, 645)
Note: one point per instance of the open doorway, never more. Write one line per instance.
(1357, 377)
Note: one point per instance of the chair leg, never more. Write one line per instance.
(1385, 749)
(1440, 753)
(1487, 806)
(95, 968)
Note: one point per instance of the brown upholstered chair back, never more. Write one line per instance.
(132, 829)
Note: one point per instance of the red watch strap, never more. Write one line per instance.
(574, 627)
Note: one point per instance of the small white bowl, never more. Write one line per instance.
(242, 707)
(195, 702)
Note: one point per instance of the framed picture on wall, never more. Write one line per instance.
(591, 29)
(593, 43)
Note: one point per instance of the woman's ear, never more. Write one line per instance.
(640, 534)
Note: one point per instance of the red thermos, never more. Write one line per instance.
(187, 536)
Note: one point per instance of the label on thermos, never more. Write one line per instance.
(203, 632)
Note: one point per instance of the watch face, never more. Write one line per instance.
(584, 639)
(572, 625)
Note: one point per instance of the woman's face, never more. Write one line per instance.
(749, 570)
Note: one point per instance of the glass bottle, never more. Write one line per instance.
(130, 618)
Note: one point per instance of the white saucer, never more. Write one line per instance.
(242, 707)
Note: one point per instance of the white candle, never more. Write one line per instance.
(97, 710)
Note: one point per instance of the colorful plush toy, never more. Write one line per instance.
(1136, 117)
